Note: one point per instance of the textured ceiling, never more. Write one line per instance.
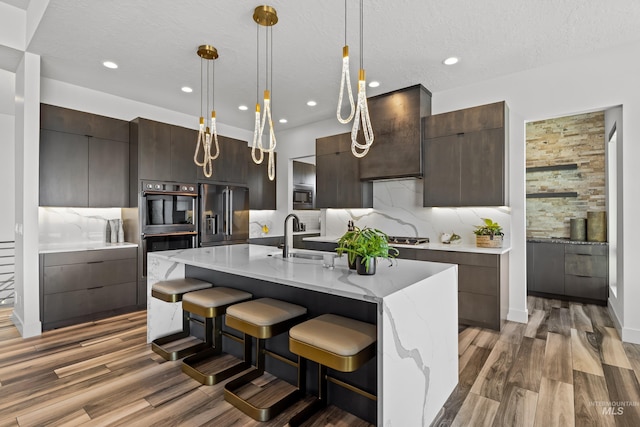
(154, 42)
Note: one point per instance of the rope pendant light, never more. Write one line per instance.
(265, 16)
(207, 132)
(362, 109)
(345, 80)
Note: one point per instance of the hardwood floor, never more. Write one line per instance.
(565, 367)
(104, 373)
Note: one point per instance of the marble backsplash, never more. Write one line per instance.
(398, 211)
(273, 220)
(75, 225)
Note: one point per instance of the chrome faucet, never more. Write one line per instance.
(296, 220)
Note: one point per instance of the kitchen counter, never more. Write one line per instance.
(414, 304)
(459, 247)
(563, 240)
(49, 248)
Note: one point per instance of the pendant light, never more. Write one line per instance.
(362, 109)
(264, 16)
(345, 80)
(208, 132)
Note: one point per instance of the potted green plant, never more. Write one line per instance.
(346, 243)
(488, 235)
(365, 246)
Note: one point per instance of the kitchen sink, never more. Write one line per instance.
(305, 254)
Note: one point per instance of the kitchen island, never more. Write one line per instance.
(413, 303)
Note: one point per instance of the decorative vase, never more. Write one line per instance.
(489, 241)
(361, 268)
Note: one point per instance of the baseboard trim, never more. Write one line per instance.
(520, 316)
(26, 331)
(629, 335)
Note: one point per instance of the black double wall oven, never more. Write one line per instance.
(168, 217)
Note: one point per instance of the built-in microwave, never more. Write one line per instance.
(302, 198)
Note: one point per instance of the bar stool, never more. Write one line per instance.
(263, 318)
(336, 342)
(177, 345)
(212, 304)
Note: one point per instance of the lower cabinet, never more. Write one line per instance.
(568, 270)
(483, 282)
(81, 286)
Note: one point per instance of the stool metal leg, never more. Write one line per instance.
(213, 350)
(268, 412)
(318, 404)
(158, 345)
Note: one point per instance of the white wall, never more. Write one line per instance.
(7, 176)
(589, 83)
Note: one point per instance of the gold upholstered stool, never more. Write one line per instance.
(180, 344)
(336, 342)
(263, 318)
(212, 304)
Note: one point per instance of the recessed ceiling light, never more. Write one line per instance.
(374, 84)
(110, 64)
(243, 108)
(186, 89)
(450, 61)
(283, 120)
(312, 103)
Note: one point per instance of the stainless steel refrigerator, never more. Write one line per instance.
(224, 214)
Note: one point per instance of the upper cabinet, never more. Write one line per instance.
(232, 164)
(396, 119)
(338, 182)
(150, 151)
(262, 191)
(183, 145)
(465, 157)
(84, 159)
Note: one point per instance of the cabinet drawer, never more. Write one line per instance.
(585, 265)
(586, 287)
(71, 277)
(586, 249)
(67, 305)
(480, 280)
(468, 258)
(81, 257)
(478, 309)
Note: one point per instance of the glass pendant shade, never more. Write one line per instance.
(345, 81)
(362, 115)
(207, 132)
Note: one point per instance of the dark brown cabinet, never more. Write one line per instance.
(183, 146)
(262, 191)
(338, 182)
(80, 286)
(396, 119)
(483, 285)
(304, 173)
(150, 151)
(233, 163)
(464, 157)
(568, 271)
(84, 159)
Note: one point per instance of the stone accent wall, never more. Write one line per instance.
(576, 139)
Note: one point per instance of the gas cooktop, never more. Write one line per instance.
(408, 240)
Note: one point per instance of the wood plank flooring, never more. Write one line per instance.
(104, 373)
(565, 367)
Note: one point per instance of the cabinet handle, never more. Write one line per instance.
(95, 287)
(95, 262)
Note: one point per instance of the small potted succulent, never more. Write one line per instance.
(364, 247)
(488, 235)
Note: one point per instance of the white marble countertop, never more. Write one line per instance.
(431, 246)
(265, 263)
(48, 248)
